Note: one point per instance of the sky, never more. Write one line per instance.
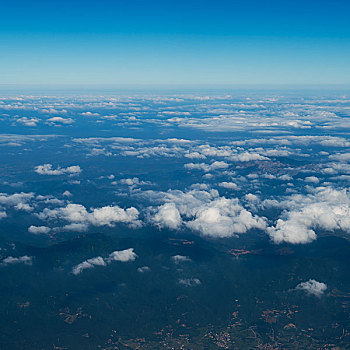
(164, 42)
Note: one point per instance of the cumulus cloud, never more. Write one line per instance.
(46, 169)
(224, 218)
(312, 179)
(251, 197)
(228, 185)
(135, 181)
(312, 287)
(168, 216)
(99, 152)
(190, 282)
(88, 264)
(109, 215)
(205, 212)
(247, 157)
(80, 218)
(323, 208)
(28, 121)
(20, 201)
(195, 155)
(178, 259)
(121, 256)
(207, 167)
(39, 229)
(343, 157)
(77, 227)
(61, 120)
(10, 260)
(90, 114)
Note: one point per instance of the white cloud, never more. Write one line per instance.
(61, 120)
(247, 157)
(190, 282)
(323, 208)
(203, 211)
(228, 185)
(121, 256)
(224, 218)
(47, 169)
(291, 231)
(312, 287)
(284, 177)
(90, 114)
(110, 215)
(197, 166)
(177, 259)
(207, 167)
(168, 216)
(343, 157)
(39, 229)
(10, 260)
(27, 121)
(77, 227)
(195, 155)
(88, 264)
(301, 140)
(20, 201)
(135, 181)
(252, 197)
(312, 179)
(79, 218)
(99, 152)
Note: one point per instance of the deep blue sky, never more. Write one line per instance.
(175, 42)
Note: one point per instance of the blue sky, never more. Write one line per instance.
(175, 42)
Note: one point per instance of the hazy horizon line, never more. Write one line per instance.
(169, 86)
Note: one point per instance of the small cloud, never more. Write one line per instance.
(190, 282)
(90, 114)
(251, 197)
(46, 169)
(312, 287)
(28, 121)
(61, 120)
(99, 151)
(39, 229)
(122, 256)
(228, 185)
(312, 179)
(207, 167)
(143, 269)
(177, 259)
(10, 260)
(17, 200)
(79, 218)
(88, 264)
(135, 181)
